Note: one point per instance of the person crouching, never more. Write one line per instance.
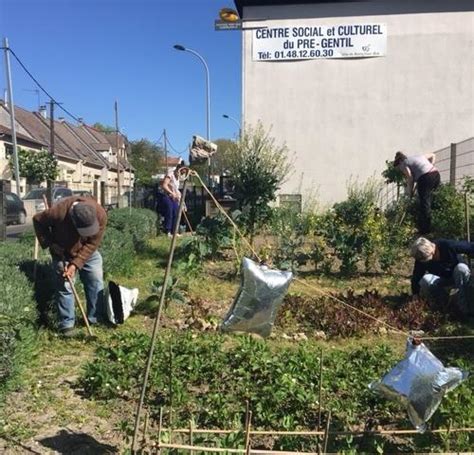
(439, 265)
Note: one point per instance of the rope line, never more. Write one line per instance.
(318, 289)
(41, 87)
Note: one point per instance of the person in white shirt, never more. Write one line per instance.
(420, 169)
(168, 199)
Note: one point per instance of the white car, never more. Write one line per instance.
(38, 193)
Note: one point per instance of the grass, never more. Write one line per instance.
(50, 400)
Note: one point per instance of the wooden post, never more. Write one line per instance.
(467, 214)
(191, 436)
(102, 194)
(326, 433)
(170, 385)
(247, 432)
(320, 387)
(3, 210)
(452, 165)
(157, 320)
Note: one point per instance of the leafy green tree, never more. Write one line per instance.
(147, 158)
(36, 167)
(258, 167)
(220, 160)
(104, 128)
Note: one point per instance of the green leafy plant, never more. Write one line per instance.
(258, 167)
(18, 315)
(36, 167)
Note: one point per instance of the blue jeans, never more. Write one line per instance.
(168, 208)
(92, 278)
(433, 286)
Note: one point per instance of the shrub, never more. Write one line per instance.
(448, 217)
(118, 251)
(18, 315)
(258, 168)
(126, 233)
(141, 223)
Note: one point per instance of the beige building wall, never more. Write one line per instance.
(344, 117)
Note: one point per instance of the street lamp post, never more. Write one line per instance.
(179, 47)
(236, 122)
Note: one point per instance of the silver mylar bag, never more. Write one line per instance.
(260, 295)
(419, 381)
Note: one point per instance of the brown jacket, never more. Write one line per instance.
(55, 226)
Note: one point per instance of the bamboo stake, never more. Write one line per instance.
(224, 450)
(188, 223)
(160, 426)
(79, 304)
(326, 433)
(320, 433)
(36, 251)
(145, 429)
(170, 384)
(191, 434)
(247, 434)
(35, 255)
(320, 387)
(157, 319)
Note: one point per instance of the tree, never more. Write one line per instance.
(104, 128)
(147, 158)
(220, 160)
(258, 167)
(36, 167)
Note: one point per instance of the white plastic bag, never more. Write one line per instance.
(120, 302)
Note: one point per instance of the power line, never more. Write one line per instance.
(41, 87)
(172, 148)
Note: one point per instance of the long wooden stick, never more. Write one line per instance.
(320, 433)
(79, 304)
(188, 223)
(326, 433)
(157, 320)
(36, 251)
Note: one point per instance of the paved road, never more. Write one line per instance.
(16, 230)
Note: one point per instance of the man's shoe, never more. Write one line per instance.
(69, 332)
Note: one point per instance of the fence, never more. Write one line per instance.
(456, 162)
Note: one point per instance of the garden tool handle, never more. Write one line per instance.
(76, 297)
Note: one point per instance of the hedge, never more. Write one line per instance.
(18, 314)
(126, 234)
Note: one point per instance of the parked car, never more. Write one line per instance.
(16, 213)
(38, 193)
(84, 193)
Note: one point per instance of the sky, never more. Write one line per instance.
(89, 53)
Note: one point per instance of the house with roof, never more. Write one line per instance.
(86, 159)
(346, 84)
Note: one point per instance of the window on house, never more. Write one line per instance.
(8, 150)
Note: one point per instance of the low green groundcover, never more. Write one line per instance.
(18, 315)
(208, 378)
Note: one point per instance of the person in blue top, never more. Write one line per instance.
(439, 264)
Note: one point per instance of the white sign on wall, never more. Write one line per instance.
(302, 42)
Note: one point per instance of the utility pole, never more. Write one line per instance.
(119, 177)
(12, 115)
(166, 151)
(51, 127)
(52, 149)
